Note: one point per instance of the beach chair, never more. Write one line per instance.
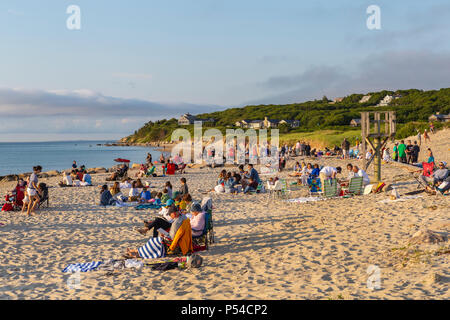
(206, 237)
(284, 188)
(427, 171)
(355, 186)
(44, 199)
(273, 189)
(330, 189)
(151, 171)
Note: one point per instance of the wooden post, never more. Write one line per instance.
(375, 139)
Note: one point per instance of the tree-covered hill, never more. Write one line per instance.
(413, 106)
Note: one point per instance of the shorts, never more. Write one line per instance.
(31, 192)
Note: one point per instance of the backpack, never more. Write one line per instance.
(194, 261)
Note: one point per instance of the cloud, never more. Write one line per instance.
(390, 70)
(86, 103)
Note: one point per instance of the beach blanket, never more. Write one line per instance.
(404, 198)
(83, 267)
(153, 249)
(148, 206)
(125, 204)
(303, 199)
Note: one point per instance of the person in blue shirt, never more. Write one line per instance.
(316, 171)
(146, 196)
(253, 174)
(87, 179)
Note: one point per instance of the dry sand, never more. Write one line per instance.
(264, 249)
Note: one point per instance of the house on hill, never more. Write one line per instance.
(188, 119)
(439, 117)
(291, 123)
(265, 124)
(336, 100)
(365, 99)
(387, 100)
(355, 122)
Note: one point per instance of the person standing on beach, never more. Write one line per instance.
(408, 152)
(395, 151)
(415, 152)
(33, 190)
(402, 151)
(74, 165)
(345, 148)
(426, 136)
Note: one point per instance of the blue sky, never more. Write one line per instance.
(133, 61)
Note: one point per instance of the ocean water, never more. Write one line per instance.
(22, 156)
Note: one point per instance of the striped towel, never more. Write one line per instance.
(83, 267)
(152, 249)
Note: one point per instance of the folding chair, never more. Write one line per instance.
(355, 186)
(427, 171)
(207, 235)
(330, 189)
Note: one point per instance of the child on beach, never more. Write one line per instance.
(145, 196)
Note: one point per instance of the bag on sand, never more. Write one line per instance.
(194, 261)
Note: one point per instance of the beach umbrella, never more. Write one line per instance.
(121, 160)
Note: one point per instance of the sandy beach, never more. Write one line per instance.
(265, 248)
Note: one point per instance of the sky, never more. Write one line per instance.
(135, 61)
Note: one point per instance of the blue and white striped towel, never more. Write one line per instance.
(83, 267)
(152, 249)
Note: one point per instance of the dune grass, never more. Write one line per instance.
(322, 138)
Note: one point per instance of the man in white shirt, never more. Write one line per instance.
(361, 173)
(67, 179)
(329, 173)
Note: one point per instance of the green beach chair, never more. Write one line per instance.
(330, 189)
(355, 186)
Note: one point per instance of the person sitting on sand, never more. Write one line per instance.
(87, 180)
(253, 174)
(183, 188)
(139, 184)
(157, 198)
(296, 170)
(386, 156)
(252, 186)
(125, 184)
(229, 184)
(67, 180)
(351, 174)
(165, 196)
(186, 202)
(115, 189)
(133, 195)
(145, 195)
(169, 188)
(106, 198)
(315, 171)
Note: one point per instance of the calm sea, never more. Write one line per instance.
(22, 156)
